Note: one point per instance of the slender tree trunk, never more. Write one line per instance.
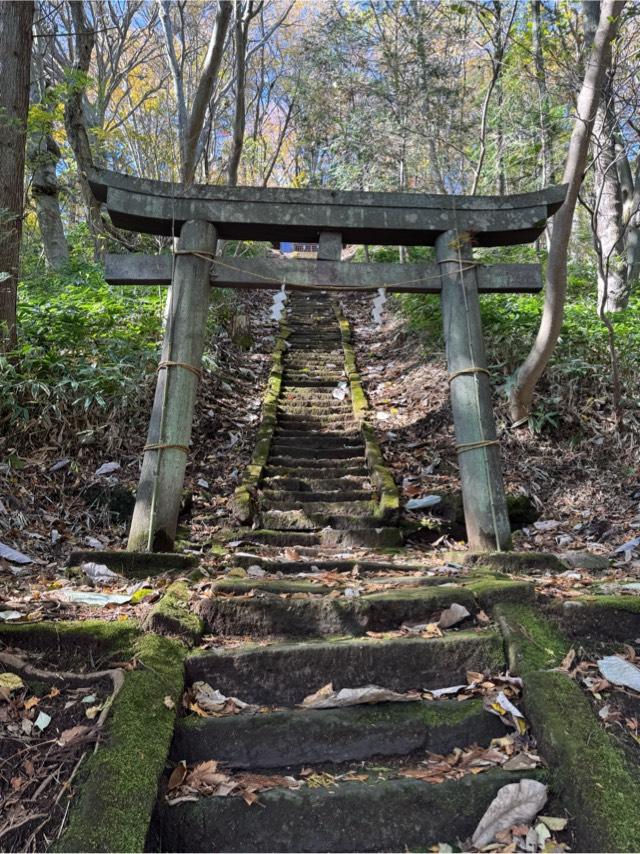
(44, 155)
(607, 220)
(547, 176)
(15, 71)
(239, 118)
(556, 285)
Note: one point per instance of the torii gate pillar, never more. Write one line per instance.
(155, 517)
(483, 496)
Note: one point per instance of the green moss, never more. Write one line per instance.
(518, 562)
(533, 642)
(70, 642)
(120, 781)
(244, 586)
(172, 615)
(491, 590)
(590, 772)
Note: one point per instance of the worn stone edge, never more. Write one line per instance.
(597, 787)
(171, 615)
(137, 565)
(243, 500)
(388, 509)
(118, 784)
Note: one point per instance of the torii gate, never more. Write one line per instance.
(201, 214)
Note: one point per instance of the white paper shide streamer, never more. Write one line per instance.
(279, 301)
(378, 306)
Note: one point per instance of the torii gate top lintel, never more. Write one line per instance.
(274, 214)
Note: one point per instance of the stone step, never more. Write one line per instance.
(342, 435)
(334, 504)
(378, 815)
(316, 485)
(274, 565)
(306, 736)
(285, 673)
(332, 408)
(311, 464)
(292, 449)
(263, 614)
(338, 441)
(330, 424)
(291, 500)
(308, 474)
(386, 537)
(301, 520)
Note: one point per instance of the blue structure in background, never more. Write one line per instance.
(286, 247)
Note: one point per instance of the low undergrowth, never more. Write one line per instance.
(577, 388)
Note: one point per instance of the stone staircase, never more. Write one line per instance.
(294, 622)
(316, 487)
(299, 645)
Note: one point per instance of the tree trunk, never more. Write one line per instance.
(15, 72)
(547, 176)
(239, 118)
(556, 285)
(74, 117)
(44, 155)
(607, 225)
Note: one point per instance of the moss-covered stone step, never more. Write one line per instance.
(305, 472)
(382, 537)
(301, 737)
(291, 450)
(590, 772)
(334, 505)
(310, 422)
(134, 564)
(172, 615)
(291, 499)
(268, 615)
(381, 815)
(274, 565)
(302, 520)
(317, 443)
(602, 618)
(311, 486)
(309, 436)
(117, 785)
(285, 673)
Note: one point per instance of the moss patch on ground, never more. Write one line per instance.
(172, 615)
(120, 781)
(589, 771)
(532, 641)
(490, 590)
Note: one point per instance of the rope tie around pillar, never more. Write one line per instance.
(468, 371)
(197, 253)
(184, 365)
(471, 446)
(161, 446)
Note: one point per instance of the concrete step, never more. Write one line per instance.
(311, 486)
(291, 500)
(285, 673)
(316, 462)
(336, 451)
(301, 520)
(264, 614)
(306, 736)
(381, 815)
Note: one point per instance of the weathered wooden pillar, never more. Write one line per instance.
(485, 506)
(155, 517)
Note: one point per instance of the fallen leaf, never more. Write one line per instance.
(73, 735)
(11, 682)
(515, 803)
(168, 702)
(327, 698)
(107, 468)
(291, 554)
(177, 776)
(554, 824)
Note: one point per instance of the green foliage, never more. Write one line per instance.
(87, 351)
(510, 324)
